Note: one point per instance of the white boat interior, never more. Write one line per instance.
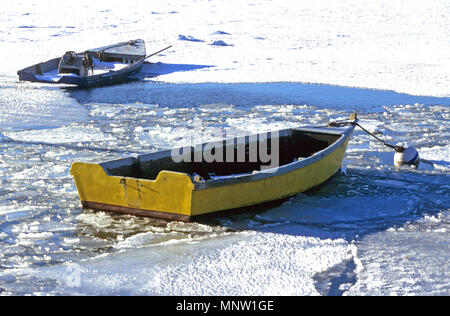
(98, 68)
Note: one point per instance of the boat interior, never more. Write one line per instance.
(227, 158)
(94, 62)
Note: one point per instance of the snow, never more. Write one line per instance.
(101, 67)
(398, 263)
(399, 45)
(61, 135)
(19, 107)
(264, 263)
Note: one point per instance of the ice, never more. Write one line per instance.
(15, 212)
(150, 238)
(272, 265)
(42, 235)
(25, 106)
(61, 135)
(438, 156)
(258, 125)
(41, 172)
(371, 125)
(99, 220)
(104, 110)
(399, 263)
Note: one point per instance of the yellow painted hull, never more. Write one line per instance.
(174, 196)
(266, 190)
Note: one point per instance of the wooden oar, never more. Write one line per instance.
(158, 52)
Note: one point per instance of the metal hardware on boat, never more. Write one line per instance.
(123, 182)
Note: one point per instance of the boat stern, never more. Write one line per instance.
(167, 197)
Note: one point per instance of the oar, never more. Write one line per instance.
(147, 57)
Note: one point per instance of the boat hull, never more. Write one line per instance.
(114, 77)
(49, 71)
(175, 196)
(272, 188)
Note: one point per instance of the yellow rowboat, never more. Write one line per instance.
(186, 183)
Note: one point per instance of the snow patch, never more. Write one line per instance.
(188, 38)
(246, 263)
(219, 43)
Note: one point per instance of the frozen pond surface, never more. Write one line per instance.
(371, 230)
(390, 227)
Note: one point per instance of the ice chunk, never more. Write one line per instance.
(61, 135)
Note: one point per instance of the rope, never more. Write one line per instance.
(377, 138)
(398, 149)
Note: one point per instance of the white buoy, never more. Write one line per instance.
(405, 156)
